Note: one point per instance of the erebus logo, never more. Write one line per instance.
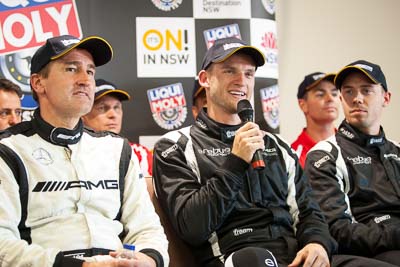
(53, 186)
(360, 160)
(238, 232)
(318, 163)
(346, 133)
(169, 150)
(215, 152)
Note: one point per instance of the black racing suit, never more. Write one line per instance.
(218, 204)
(356, 179)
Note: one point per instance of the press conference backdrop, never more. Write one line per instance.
(158, 50)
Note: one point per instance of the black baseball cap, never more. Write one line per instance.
(226, 47)
(104, 87)
(312, 80)
(197, 89)
(373, 72)
(57, 47)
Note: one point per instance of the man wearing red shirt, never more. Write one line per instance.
(319, 100)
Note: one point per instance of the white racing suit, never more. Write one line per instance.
(68, 194)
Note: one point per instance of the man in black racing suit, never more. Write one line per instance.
(356, 173)
(215, 200)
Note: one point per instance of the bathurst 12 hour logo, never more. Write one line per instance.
(168, 105)
(24, 26)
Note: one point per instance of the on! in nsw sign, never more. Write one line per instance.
(165, 47)
(24, 26)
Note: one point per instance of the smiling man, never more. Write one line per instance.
(230, 213)
(355, 174)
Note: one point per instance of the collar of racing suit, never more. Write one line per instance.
(57, 136)
(217, 130)
(362, 139)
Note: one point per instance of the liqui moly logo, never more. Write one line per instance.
(211, 35)
(24, 26)
(168, 105)
(270, 105)
(27, 24)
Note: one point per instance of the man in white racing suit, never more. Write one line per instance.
(67, 194)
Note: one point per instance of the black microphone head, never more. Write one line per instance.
(245, 110)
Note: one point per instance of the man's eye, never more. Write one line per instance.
(70, 69)
(250, 74)
(101, 108)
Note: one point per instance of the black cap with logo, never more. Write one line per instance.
(226, 47)
(312, 80)
(104, 87)
(57, 47)
(371, 70)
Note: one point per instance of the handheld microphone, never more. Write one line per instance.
(245, 112)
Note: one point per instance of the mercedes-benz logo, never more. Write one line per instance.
(42, 156)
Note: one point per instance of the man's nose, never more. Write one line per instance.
(14, 118)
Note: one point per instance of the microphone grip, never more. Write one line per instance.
(258, 161)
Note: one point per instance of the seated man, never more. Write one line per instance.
(319, 100)
(68, 194)
(106, 115)
(227, 211)
(355, 174)
(10, 104)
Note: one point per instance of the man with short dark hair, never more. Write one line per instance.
(106, 115)
(69, 195)
(318, 98)
(355, 174)
(10, 104)
(230, 213)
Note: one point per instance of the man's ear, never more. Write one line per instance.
(386, 98)
(203, 79)
(303, 105)
(37, 83)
